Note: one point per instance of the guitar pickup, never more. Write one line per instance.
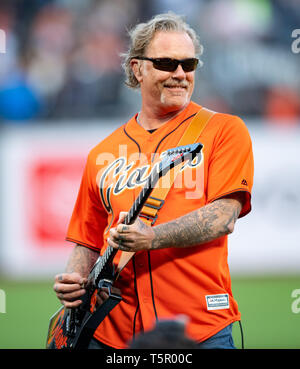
(150, 209)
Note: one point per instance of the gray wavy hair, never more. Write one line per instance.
(142, 34)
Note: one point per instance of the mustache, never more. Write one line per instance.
(176, 84)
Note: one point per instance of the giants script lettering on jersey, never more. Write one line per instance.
(119, 175)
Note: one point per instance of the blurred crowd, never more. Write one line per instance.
(62, 57)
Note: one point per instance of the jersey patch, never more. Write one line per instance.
(217, 302)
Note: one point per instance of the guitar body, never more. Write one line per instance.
(57, 332)
(66, 331)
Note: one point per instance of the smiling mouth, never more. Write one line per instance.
(176, 87)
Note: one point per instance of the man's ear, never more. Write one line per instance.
(136, 67)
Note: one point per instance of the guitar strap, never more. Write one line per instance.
(94, 321)
(154, 202)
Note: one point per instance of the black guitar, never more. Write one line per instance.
(74, 328)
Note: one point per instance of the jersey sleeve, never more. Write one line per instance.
(231, 164)
(89, 218)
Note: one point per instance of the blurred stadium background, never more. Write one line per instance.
(62, 91)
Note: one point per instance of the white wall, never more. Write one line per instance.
(268, 239)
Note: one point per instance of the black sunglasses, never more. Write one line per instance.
(170, 65)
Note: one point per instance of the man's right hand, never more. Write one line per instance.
(69, 287)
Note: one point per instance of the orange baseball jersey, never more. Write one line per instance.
(194, 281)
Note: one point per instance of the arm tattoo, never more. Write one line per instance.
(81, 260)
(212, 221)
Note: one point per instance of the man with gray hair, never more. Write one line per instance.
(179, 263)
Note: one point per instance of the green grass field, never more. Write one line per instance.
(265, 303)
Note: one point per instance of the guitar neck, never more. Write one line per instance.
(138, 205)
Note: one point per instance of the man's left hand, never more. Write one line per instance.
(134, 237)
